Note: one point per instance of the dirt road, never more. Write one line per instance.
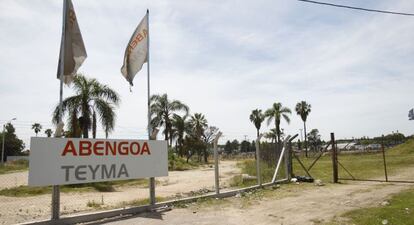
(290, 204)
(15, 210)
(312, 205)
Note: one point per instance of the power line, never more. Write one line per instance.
(357, 8)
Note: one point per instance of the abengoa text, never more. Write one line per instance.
(101, 148)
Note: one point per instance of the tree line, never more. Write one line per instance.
(187, 134)
(276, 113)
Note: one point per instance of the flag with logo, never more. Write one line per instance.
(411, 114)
(72, 50)
(136, 53)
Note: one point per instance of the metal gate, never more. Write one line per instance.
(382, 164)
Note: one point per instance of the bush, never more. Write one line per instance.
(179, 164)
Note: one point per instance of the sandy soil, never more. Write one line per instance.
(178, 183)
(314, 205)
(10, 180)
(306, 204)
(311, 207)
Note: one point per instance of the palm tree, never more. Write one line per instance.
(303, 109)
(198, 124)
(271, 135)
(162, 110)
(37, 128)
(49, 132)
(91, 100)
(314, 139)
(180, 126)
(257, 117)
(276, 113)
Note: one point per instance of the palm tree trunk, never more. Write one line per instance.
(166, 133)
(277, 132)
(205, 155)
(306, 142)
(94, 125)
(85, 132)
(257, 139)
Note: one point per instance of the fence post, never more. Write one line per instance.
(383, 157)
(152, 190)
(288, 160)
(334, 159)
(216, 166)
(55, 202)
(258, 171)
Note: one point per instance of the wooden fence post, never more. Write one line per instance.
(216, 163)
(383, 157)
(288, 158)
(258, 171)
(334, 159)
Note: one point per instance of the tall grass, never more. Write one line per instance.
(14, 166)
(249, 167)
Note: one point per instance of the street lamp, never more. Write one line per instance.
(4, 135)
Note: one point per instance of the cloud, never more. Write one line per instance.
(224, 59)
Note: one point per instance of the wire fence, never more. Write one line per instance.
(18, 202)
(21, 203)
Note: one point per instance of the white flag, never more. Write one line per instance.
(136, 53)
(72, 45)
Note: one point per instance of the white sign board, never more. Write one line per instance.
(56, 161)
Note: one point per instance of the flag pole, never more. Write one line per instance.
(55, 188)
(152, 179)
(62, 61)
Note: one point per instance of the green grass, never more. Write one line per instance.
(180, 164)
(25, 191)
(14, 166)
(405, 148)
(110, 186)
(93, 204)
(361, 166)
(321, 170)
(176, 163)
(400, 211)
(248, 166)
(139, 202)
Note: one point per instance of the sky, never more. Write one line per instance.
(222, 58)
